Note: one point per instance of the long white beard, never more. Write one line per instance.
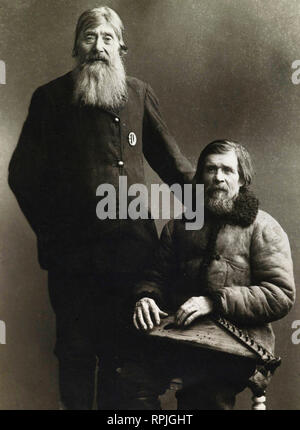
(100, 84)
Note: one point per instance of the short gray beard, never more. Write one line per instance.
(101, 85)
(219, 206)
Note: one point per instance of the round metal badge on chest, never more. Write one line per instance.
(132, 139)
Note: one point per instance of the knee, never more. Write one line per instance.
(137, 388)
(146, 402)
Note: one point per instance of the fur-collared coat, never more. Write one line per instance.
(243, 263)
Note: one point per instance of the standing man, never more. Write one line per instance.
(238, 266)
(86, 128)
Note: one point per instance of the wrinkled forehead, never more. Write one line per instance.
(223, 159)
(97, 23)
(102, 27)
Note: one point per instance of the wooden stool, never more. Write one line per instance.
(207, 334)
(258, 402)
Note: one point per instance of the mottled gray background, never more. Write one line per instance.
(221, 68)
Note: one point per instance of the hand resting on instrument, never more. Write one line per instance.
(147, 314)
(193, 308)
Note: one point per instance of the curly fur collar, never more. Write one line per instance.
(244, 211)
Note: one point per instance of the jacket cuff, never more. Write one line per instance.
(216, 297)
(146, 290)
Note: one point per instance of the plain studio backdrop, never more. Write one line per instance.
(221, 69)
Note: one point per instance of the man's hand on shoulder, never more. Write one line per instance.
(147, 314)
(193, 308)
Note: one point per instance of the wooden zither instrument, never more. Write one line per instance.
(218, 334)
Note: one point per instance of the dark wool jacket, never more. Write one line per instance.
(243, 263)
(66, 151)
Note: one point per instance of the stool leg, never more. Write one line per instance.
(258, 403)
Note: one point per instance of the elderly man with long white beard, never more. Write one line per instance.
(86, 128)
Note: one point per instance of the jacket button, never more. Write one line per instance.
(117, 119)
(120, 163)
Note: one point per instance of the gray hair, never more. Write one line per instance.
(93, 17)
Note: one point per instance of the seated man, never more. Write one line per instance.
(237, 266)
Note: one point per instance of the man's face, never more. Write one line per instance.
(98, 44)
(100, 77)
(221, 176)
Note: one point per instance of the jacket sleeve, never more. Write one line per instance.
(27, 167)
(159, 277)
(273, 291)
(160, 148)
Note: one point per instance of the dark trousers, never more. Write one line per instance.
(210, 380)
(93, 318)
